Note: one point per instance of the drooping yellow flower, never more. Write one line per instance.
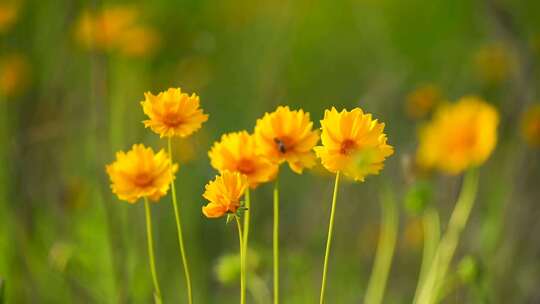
(14, 74)
(141, 173)
(460, 136)
(224, 194)
(236, 152)
(9, 11)
(530, 125)
(353, 143)
(494, 63)
(173, 113)
(422, 100)
(286, 135)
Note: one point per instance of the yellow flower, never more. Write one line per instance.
(14, 71)
(286, 135)
(141, 173)
(138, 41)
(460, 136)
(530, 125)
(353, 143)
(494, 63)
(422, 100)
(173, 113)
(9, 10)
(224, 194)
(236, 152)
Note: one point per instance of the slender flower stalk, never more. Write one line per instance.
(247, 213)
(329, 238)
(432, 235)
(445, 251)
(242, 262)
(179, 231)
(150, 239)
(385, 251)
(275, 241)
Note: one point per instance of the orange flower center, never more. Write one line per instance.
(245, 166)
(462, 141)
(172, 119)
(284, 144)
(347, 146)
(143, 180)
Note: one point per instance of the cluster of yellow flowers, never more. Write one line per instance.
(116, 28)
(460, 135)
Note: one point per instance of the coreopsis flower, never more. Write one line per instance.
(116, 28)
(224, 194)
(141, 173)
(353, 143)
(530, 125)
(9, 11)
(14, 74)
(287, 136)
(422, 100)
(460, 136)
(173, 113)
(494, 63)
(236, 152)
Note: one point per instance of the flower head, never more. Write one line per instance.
(353, 143)
(141, 173)
(9, 11)
(286, 135)
(236, 153)
(460, 136)
(173, 113)
(422, 100)
(14, 74)
(224, 194)
(530, 125)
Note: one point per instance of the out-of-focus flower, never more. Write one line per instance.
(173, 113)
(287, 136)
(530, 125)
(141, 173)
(139, 41)
(116, 28)
(353, 143)
(422, 101)
(460, 136)
(494, 63)
(236, 152)
(224, 194)
(9, 12)
(14, 74)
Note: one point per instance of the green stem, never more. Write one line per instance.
(329, 238)
(242, 262)
(246, 224)
(179, 232)
(450, 240)
(275, 242)
(385, 251)
(150, 239)
(432, 233)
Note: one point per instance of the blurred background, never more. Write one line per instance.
(72, 75)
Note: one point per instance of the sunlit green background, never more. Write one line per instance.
(64, 238)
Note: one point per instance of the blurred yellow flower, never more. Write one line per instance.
(236, 152)
(116, 28)
(494, 63)
(352, 143)
(224, 194)
(173, 113)
(422, 100)
(286, 135)
(530, 125)
(141, 173)
(9, 11)
(14, 74)
(460, 136)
